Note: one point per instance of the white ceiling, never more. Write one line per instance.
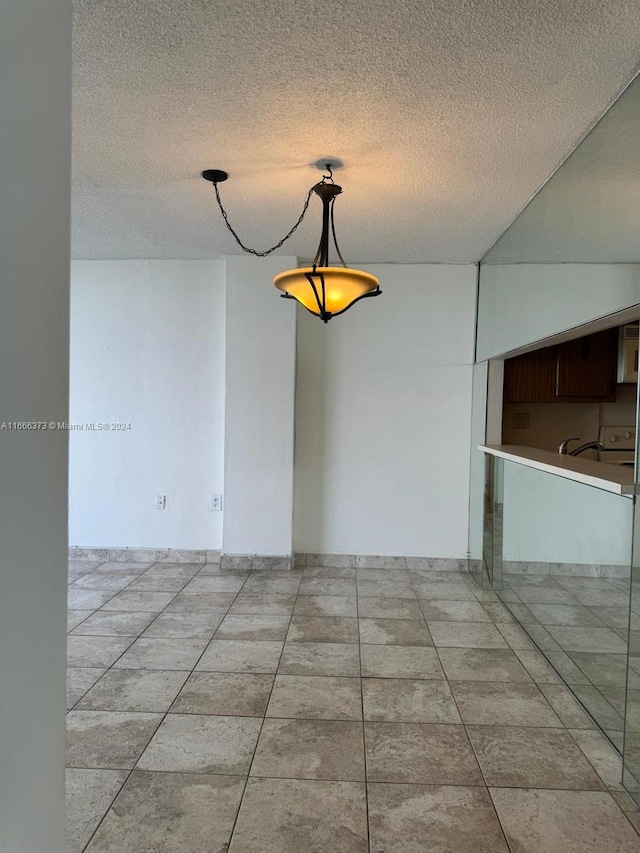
(448, 115)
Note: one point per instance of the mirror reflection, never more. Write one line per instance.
(554, 524)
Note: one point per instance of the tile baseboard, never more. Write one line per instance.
(263, 562)
(372, 561)
(144, 555)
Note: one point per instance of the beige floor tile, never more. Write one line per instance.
(326, 605)
(323, 629)
(563, 822)
(89, 793)
(111, 623)
(409, 701)
(201, 602)
(503, 704)
(328, 572)
(263, 604)
(134, 690)
(294, 815)
(420, 754)
(421, 818)
(531, 758)
(114, 581)
(79, 680)
(396, 632)
(469, 635)
(158, 583)
(152, 602)
(111, 740)
(75, 617)
(268, 582)
(400, 662)
(327, 586)
(95, 651)
(312, 697)
(310, 749)
(170, 812)
(202, 744)
(238, 694)
(442, 610)
(235, 627)
(184, 625)
(389, 608)
(240, 656)
(88, 599)
(215, 583)
(385, 589)
(445, 591)
(320, 659)
(482, 665)
(160, 653)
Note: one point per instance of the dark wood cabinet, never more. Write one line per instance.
(583, 370)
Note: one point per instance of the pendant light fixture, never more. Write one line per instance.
(322, 289)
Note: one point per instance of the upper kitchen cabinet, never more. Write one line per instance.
(582, 370)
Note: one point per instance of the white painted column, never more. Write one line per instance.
(35, 157)
(259, 409)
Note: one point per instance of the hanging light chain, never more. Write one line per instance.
(265, 252)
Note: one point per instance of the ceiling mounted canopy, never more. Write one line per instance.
(322, 289)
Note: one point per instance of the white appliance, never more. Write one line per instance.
(628, 353)
(619, 445)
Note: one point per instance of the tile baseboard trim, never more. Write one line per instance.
(373, 561)
(144, 555)
(263, 562)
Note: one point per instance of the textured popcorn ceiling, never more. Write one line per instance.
(448, 115)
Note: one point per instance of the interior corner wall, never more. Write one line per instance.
(147, 350)
(259, 409)
(35, 175)
(383, 418)
(519, 304)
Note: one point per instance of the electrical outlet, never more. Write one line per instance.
(161, 501)
(215, 503)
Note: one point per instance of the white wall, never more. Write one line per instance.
(259, 409)
(147, 348)
(383, 413)
(35, 155)
(523, 303)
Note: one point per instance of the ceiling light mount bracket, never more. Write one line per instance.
(215, 176)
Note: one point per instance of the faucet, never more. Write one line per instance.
(589, 445)
(563, 449)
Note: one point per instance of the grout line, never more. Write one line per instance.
(296, 596)
(264, 717)
(159, 724)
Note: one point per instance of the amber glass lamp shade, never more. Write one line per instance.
(326, 291)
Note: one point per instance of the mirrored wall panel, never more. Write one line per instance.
(558, 312)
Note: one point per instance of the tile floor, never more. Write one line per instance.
(325, 710)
